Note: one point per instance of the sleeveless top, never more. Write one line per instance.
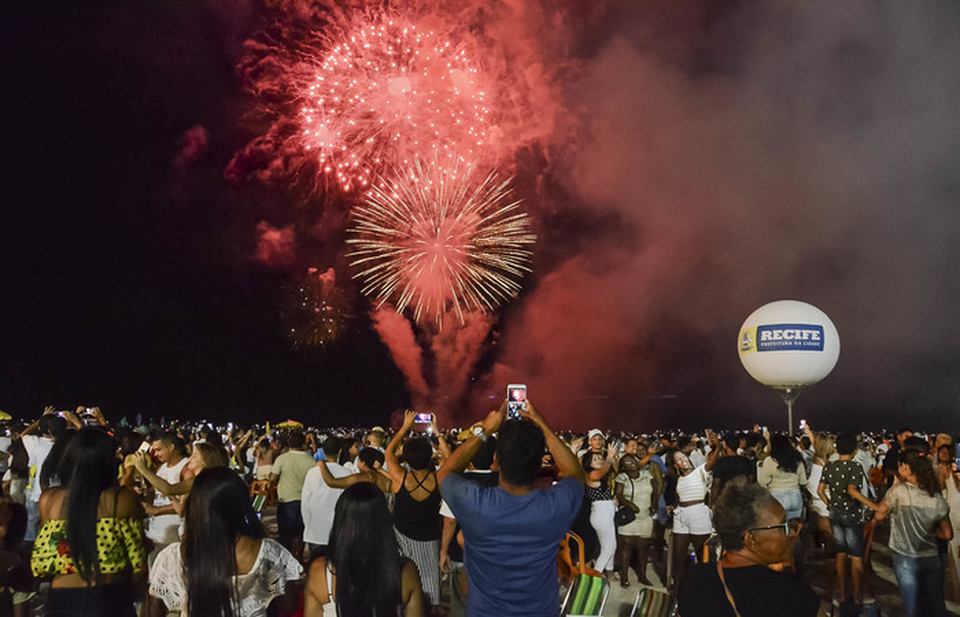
(418, 520)
(330, 608)
(119, 544)
(165, 528)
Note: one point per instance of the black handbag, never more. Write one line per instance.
(625, 514)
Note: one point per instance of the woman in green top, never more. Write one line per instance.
(91, 540)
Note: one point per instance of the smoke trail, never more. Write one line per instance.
(456, 350)
(397, 334)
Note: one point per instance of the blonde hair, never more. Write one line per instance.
(823, 447)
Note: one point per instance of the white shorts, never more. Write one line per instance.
(695, 520)
(819, 507)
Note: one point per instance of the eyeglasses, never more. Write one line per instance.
(787, 527)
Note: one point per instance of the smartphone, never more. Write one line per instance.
(803, 424)
(516, 399)
(956, 461)
(422, 418)
(144, 447)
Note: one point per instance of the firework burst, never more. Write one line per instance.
(378, 90)
(315, 311)
(434, 240)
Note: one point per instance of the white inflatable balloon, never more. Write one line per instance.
(788, 344)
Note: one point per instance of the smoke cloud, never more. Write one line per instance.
(757, 153)
(275, 247)
(193, 145)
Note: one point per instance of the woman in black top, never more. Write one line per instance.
(754, 531)
(416, 510)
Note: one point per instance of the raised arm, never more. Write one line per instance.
(393, 463)
(445, 451)
(567, 463)
(344, 482)
(715, 447)
(595, 475)
(180, 488)
(35, 425)
(461, 457)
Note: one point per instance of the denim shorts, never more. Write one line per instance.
(847, 535)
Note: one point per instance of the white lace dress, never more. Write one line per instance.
(271, 571)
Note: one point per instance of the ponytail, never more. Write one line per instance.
(920, 466)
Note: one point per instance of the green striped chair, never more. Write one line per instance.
(587, 596)
(651, 603)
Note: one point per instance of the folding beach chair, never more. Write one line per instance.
(570, 565)
(651, 603)
(586, 596)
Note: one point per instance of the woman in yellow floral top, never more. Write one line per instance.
(91, 540)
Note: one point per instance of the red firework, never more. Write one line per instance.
(380, 90)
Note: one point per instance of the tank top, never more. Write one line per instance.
(330, 608)
(418, 520)
(165, 528)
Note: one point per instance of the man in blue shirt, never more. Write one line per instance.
(512, 531)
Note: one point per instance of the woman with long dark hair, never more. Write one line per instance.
(918, 517)
(91, 539)
(363, 574)
(782, 473)
(224, 567)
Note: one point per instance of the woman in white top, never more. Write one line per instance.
(224, 567)
(692, 519)
(363, 574)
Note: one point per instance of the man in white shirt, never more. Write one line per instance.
(163, 524)
(319, 501)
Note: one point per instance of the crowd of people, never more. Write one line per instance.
(109, 518)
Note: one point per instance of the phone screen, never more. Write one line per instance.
(423, 418)
(516, 399)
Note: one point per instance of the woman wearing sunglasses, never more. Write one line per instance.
(755, 533)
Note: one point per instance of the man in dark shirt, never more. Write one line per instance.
(891, 462)
(730, 465)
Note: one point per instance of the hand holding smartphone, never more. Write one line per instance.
(516, 400)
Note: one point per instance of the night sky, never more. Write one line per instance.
(704, 158)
